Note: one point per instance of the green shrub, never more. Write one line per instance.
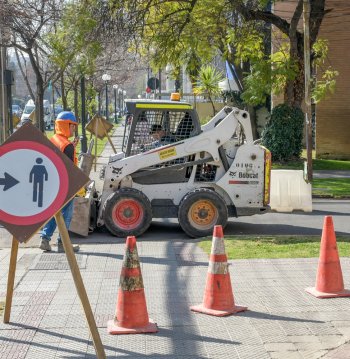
(283, 133)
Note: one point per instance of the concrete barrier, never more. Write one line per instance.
(289, 191)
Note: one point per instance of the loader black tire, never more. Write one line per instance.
(127, 212)
(200, 210)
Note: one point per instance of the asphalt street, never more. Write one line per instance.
(273, 223)
(296, 222)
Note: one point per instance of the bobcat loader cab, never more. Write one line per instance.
(178, 120)
(201, 175)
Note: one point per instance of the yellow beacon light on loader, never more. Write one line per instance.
(175, 96)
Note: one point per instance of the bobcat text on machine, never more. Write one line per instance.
(172, 167)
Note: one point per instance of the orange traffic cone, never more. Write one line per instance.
(218, 296)
(131, 313)
(329, 278)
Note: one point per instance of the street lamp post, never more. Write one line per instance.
(120, 91)
(99, 102)
(106, 78)
(115, 88)
(123, 103)
(83, 138)
(81, 60)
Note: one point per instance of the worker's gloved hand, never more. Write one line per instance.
(75, 141)
(81, 192)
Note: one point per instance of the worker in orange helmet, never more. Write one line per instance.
(65, 127)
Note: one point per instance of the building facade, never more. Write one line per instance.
(332, 113)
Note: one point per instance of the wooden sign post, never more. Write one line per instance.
(11, 280)
(37, 180)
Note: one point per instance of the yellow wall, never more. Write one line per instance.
(205, 109)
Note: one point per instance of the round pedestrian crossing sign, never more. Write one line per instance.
(36, 181)
(39, 184)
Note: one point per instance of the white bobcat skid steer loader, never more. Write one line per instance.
(200, 175)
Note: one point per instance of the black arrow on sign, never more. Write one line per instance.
(8, 181)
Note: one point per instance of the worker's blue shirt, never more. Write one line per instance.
(165, 140)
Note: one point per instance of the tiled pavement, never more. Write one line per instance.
(283, 321)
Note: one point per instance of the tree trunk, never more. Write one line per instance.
(39, 106)
(39, 98)
(253, 121)
(63, 94)
(294, 89)
(212, 104)
(24, 72)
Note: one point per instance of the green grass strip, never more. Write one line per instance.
(317, 165)
(331, 187)
(248, 247)
(331, 165)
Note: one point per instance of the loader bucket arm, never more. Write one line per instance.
(209, 142)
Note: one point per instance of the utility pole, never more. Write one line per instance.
(3, 94)
(160, 84)
(307, 70)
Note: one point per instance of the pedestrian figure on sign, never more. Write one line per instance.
(37, 176)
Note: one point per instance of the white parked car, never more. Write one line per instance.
(30, 107)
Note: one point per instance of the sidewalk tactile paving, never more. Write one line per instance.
(53, 261)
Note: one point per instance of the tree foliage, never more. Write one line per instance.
(178, 33)
(255, 10)
(192, 32)
(326, 83)
(269, 75)
(28, 23)
(73, 42)
(64, 40)
(92, 39)
(74, 49)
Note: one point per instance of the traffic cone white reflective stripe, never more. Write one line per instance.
(218, 296)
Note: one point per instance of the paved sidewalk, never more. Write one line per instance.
(282, 321)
